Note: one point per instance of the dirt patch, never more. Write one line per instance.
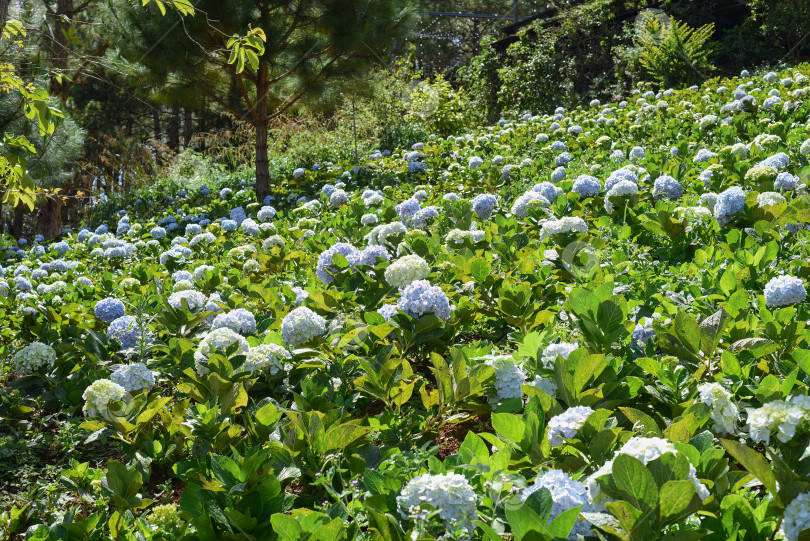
(452, 435)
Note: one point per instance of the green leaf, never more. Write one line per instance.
(635, 481)
(640, 418)
(508, 426)
(676, 497)
(287, 528)
(480, 269)
(753, 462)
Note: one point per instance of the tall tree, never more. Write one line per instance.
(309, 44)
(3, 12)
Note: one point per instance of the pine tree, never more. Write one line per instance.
(309, 45)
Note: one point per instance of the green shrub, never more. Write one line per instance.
(672, 53)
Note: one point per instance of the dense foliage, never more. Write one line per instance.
(591, 323)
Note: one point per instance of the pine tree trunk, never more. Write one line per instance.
(4, 12)
(17, 224)
(262, 125)
(2, 214)
(174, 128)
(50, 218)
(188, 126)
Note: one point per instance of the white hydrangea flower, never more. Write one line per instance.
(567, 224)
(567, 424)
(34, 357)
(405, 270)
(369, 219)
(449, 493)
(766, 199)
(724, 411)
(550, 353)
(238, 320)
(797, 517)
(623, 188)
(196, 300)
(645, 450)
(508, 378)
(100, 393)
(270, 357)
(782, 417)
(273, 240)
(566, 494)
(729, 203)
(133, 377)
(301, 325)
(784, 290)
(218, 341)
(520, 207)
(546, 385)
(456, 237)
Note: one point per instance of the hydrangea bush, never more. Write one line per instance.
(587, 323)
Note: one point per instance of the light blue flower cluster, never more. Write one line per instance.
(509, 378)
(547, 190)
(520, 207)
(126, 330)
(619, 175)
(417, 167)
(667, 187)
(420, 298)
(325, 269)
(587, 186)
(424, 217)
(786, 182)
(370, 254)
(784, 290)
(109, 309)
(450, 494)
(194, 299)
(566, 494)
(239, 320)
(407, 209)
(133, 377)
(301, 325)
(729, 203)
(780, 160)
(483, 205)
(266, 214)
(566, 425)
(250, 227)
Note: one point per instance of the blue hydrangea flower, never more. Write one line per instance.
(619, 175)
(126, 330)
(407, 209)
(547, 190)
(109, 309)
(420, 298)
(483, 205)
(587, 186)
(667, 187)
(784, 290)
(729, 203)
(325, 270)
